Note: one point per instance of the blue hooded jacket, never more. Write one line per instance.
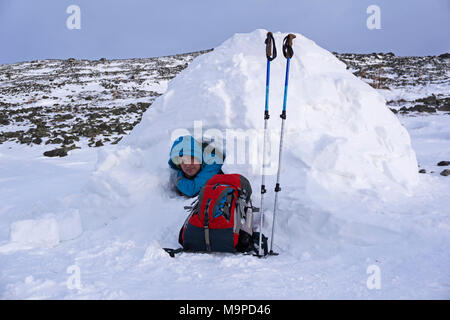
(187, 145)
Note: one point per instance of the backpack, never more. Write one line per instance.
(220, 219)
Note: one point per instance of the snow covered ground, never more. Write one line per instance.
(103, 233)
(124, 260)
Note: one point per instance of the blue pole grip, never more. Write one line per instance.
(286, 82)
(267, 85)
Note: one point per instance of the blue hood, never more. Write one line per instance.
(183, 146)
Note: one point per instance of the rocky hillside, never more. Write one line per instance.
(68, 104)
(409, 84)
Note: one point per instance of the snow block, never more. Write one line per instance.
(48, 230)
(35, 233)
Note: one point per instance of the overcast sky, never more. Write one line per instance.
(36, 29)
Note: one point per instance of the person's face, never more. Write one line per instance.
(190, 165)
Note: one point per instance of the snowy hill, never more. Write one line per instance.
(352, 197)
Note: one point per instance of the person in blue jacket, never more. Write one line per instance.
(193, 166)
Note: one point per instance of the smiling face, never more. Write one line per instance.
(190, 165)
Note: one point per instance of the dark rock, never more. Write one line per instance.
(445, 106)
(444, 163)
(99, 143)
(422, 171)
(63, 117)
(25, 140)
(445, 172)
(444, 56)
(118, 111)
(4, 120)
(95, 115)
(431, 100)
(419, 108)
(89, 132)
(102, 127)
(132, 109)
(68, 140)
(119, 129)
(60, 152)
(54, 141)
(422, 108)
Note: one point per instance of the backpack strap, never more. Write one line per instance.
(206, 225)
(173, 252)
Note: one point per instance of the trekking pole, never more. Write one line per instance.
(271, 53)
(288, 52)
